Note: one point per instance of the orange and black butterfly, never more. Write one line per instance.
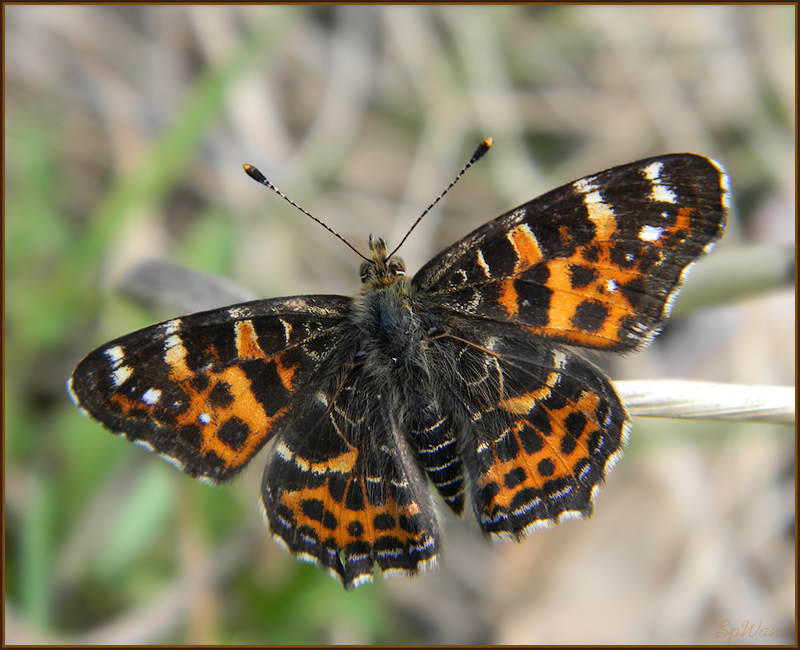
(463, 377)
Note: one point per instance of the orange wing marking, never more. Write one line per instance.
(563, 466)
(247, 346)
(508, 297)
(527, 247)
(523, 404)
(175, 358)
(602, 216)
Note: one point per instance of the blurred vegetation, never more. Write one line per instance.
(125, 131)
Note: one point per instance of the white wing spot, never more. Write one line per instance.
(237, 313)
(650, 233)
(176, 463)
(74, 397)
(174, 353)
(143, 443)
(724, 183)
(115, 354)
(593, 197)
(611, 285)
(664, 194)
(482, 263)
(585, 185)
(660, 191)
(151, 396)
(205, 418)
(287, 330)
(283, 451)
(120, 375)
(172, 326)
(653, 171)
(726, 192)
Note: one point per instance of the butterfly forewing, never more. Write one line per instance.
(595, 263)
(207, 391)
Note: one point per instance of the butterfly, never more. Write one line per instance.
(464, 377)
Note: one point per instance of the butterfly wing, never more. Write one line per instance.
(342, 490)
(207, 391)
(595, 263)
(543, 427)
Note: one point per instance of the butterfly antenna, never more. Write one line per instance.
(483, 147)
(256, 175)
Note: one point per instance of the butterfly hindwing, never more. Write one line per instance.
(595, 263)
(342, 490)
(545, 427)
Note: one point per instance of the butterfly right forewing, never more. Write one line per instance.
(595, 263)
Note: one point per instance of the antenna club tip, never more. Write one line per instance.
(483, 147)
(256, 175)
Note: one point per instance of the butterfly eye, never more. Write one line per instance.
(365, 271)
(396, 267)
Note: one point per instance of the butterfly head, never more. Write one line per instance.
(381, 270)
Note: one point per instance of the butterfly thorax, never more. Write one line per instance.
(384, 312)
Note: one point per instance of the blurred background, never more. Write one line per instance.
(125, 131)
